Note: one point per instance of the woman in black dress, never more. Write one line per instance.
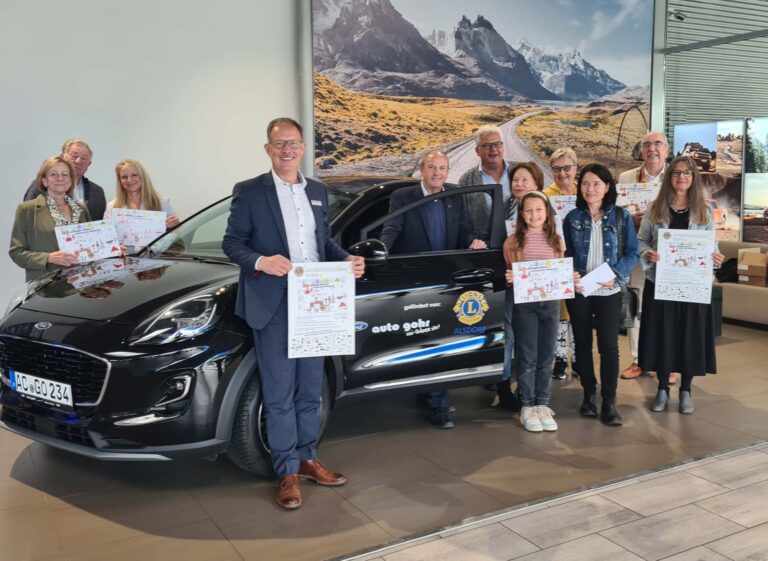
(675, 336)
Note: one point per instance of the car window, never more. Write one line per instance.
(199, 236)
(412, 225)
(202, 234)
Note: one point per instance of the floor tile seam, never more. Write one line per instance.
(217, 526)
(723, 491)
(364, 514)
(509, 512)
(576, 538)
(41, 501)
(758, 436)
(155, 534)
(732, 534)
(729, 486)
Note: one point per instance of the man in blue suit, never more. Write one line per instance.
(437, 226)
(277, 219)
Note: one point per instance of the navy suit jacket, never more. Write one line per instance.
(407, 233)
(256, 228)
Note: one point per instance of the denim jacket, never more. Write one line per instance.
(648, 238)
(577, 231)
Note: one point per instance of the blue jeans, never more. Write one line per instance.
(509, 335)
(535, 325)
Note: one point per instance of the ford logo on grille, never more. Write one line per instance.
(43, 325)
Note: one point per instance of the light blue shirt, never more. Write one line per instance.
(506, 189)
(298, 218)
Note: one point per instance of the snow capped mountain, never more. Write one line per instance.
(479, 46)
(367, 45)
(370, 47)
(566, 73)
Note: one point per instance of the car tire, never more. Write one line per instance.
(249, 448)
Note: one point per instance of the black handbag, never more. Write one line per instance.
(630, 304)
(630, 297)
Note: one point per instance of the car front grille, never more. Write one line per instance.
(86, 373)
(51, 427)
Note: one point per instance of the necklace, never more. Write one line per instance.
(682, 211)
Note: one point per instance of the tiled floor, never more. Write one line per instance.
(408, 479)
(708, 510)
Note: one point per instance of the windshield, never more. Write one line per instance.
(201, 235)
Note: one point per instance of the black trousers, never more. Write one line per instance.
(602, 313)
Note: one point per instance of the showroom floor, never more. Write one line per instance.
(406, 478)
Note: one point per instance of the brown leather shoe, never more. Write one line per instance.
(317, 472)
(289, 495)
(631, 371)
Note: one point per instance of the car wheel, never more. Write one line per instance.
(249, 446)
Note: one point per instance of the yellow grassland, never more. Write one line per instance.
(546, 132)
(352, 126)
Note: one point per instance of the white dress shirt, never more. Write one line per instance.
(299, 220)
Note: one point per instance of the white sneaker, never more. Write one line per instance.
(545, 418)
(530, 418)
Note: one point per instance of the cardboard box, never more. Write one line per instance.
(752, 263)
(753, 281)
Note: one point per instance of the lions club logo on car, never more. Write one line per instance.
(470, 307)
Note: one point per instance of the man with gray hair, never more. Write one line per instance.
(493, 169)
(79, 154)
(654, 151)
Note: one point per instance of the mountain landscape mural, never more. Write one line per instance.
(385, 92)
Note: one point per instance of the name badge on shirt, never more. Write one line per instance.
(316, 203)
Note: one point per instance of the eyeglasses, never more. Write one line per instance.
(489, 145)
(682, 173)
(57, 175)
(566, 169)
(656, 144)
(280, 144)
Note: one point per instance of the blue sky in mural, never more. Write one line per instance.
(614, 35)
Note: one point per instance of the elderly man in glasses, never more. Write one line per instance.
(493, 169)
(654, 151)
(79, 154)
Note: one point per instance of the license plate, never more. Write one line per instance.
(40, 388)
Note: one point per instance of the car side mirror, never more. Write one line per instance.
(373, 250)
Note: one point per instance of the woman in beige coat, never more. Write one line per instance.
(33, 240)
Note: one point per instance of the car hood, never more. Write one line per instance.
(124, 290)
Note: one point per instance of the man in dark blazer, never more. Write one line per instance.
(79, 154)
(436, 226)
(442, 225)
(278, 218)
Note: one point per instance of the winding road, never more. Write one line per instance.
(463, 157)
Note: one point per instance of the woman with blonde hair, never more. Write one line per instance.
(135, 190)
(33, 240)
(565, 166)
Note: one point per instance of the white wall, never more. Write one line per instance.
(185, 86)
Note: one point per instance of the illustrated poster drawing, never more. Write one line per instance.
(136, 227)
(562, 204)
(544, 279)
(636, 197)
(321, 309)
(684, 270)
(89, 241)
(83, 276)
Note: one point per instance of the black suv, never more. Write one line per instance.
(144, 359)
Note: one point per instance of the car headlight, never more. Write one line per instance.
(23, 295)
(184, 319)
